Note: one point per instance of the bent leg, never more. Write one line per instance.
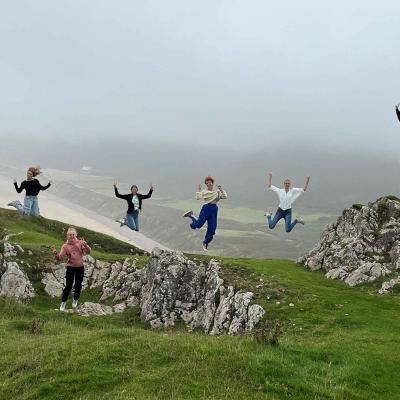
(136, 220)
(35, 207)
(130, 222)
(69, 280)
(17, 204)
(28, 204)
(211, 226)
(272, 222)
(79, 274)
(199, 222)
(289, 225)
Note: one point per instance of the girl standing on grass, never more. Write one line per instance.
(75, 250)
(209, 211)
(32, 188)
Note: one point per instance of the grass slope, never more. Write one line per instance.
(337, 342)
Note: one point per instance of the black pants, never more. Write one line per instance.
(77, 273)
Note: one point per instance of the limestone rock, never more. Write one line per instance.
(362, 245)
(388, 286)
(87, 309)
(14, 282)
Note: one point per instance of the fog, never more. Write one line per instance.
(223, 74)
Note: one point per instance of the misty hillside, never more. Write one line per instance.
(339, 177)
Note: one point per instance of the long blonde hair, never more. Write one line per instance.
(35, 170)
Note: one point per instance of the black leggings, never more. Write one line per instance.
(77, 273)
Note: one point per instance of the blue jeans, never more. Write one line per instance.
(287, 215)
(209, 213)
(30, 207)
(132, 221)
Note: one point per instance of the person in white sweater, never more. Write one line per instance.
(286, 196)
(209, 211)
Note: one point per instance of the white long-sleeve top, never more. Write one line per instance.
(286, 199)
(212, 197)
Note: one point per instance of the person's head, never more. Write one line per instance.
(134, 189)
(209, 181)
(32, 172)
(286, 184)
(71, 234)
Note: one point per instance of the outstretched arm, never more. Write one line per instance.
(269, 179)
(44, 187)
(148, 195)
(120, 196)
(18, 189)
(306, 184)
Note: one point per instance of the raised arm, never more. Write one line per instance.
(222, 193)
(198, 193)
(120, 196)
(148, 195)
(85, 247)
(398, 111)
(269, 184)
(19, 189)
(59, 256)
(44, 187)
(306, 184)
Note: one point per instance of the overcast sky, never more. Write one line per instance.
(225, 72)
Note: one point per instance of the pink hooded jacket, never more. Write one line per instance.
(75, 252)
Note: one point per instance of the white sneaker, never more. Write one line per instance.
(62, 306)
(74, 303)
(268, 214)
(205, 246)
(121, 222)
(300, 220)
(13, 203)
(187, 214)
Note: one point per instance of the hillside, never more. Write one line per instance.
(337, 342)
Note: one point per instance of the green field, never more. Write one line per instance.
(337, 342)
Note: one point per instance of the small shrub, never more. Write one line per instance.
(268, 332)
(357, 206)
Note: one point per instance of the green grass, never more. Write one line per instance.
(337, 343)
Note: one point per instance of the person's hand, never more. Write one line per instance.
(15, 181)
(270, 174)
(151, 186)
(220, 188)
(199, 187)
(115, 184)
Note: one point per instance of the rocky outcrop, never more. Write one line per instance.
(362, 245)
(169, 289)
(13, 280)
(388, 286)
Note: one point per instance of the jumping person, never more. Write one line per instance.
(32, 188)
(75, 250)
(287, 196)
(134, 200)
(209, 211)
(397, 107)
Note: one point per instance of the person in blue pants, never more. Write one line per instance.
(286, 196)
(209, 211)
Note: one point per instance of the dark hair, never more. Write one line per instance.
(133, 187)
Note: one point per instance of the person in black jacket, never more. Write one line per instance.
(32, 188)
(398, 111)
(134, 200)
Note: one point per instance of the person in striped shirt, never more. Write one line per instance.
(209, 211)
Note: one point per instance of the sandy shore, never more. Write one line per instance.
(53, 207)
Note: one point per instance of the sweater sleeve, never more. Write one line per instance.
(21, 188)
(120, 196)
(398, 113)
(44, 187)
(199, 195)
(85, 248)
(223, 195)
(148, 195)
(62, 253)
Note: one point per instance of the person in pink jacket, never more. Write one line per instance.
(75, 250)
